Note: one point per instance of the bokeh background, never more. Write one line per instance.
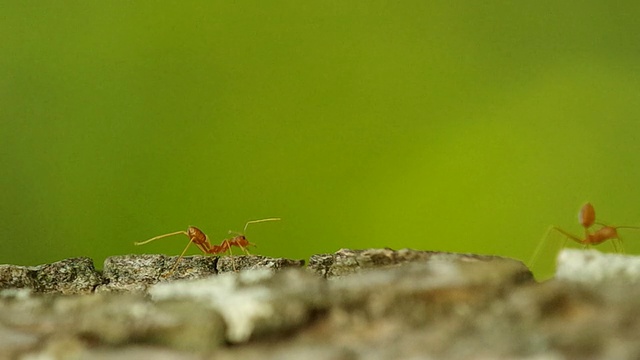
(460, 126)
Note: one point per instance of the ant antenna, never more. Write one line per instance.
(252, 222)
(160, 237)
(259, 221)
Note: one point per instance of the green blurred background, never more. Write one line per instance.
(460, 126)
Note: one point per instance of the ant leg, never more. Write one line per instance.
(571, 236)
(244, 249)
(536, 252)
(542, 243)
(179, 258)
(618, 247)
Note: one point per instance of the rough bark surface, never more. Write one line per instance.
(369, 304)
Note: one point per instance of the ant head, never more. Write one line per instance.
(241, 237)
(246, 242)
(192, 230)
(241, 240)
(587, 215)
(196, 234)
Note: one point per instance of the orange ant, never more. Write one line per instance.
(196, 236)
(587, 218)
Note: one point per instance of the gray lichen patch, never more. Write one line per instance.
(69, 276)
(137, 272)
(18, 277)
(115, 319)
(253, 262)
(420, 291)
(347, 261)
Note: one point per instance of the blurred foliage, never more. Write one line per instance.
(460, 126)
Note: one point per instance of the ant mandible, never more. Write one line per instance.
(196, 236)
(587, 218)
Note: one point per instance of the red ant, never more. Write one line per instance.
(587, 218)
(196, 236)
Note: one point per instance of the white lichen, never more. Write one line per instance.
(239, 298)
(592, 266)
